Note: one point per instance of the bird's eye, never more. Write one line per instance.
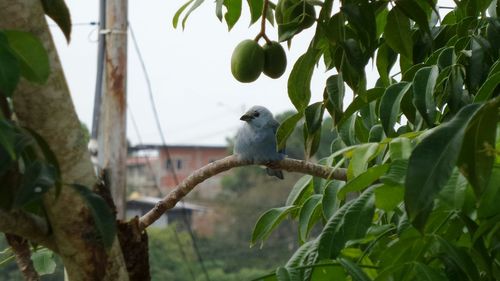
(256, 114)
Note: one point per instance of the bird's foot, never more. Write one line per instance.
(272, 164)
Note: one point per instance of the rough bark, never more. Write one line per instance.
(48, 110)
(22, 252)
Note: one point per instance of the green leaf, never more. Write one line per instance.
(388, 197)
(309, 214)
(301, 253)
(7, 138)
(196, 4)
(459, 257)
(286, 128)
(329, 202)
(355, 56)
(432, 163)
(299, 82)
(376, 133)
(454, 89)
(175, 20)
(404, 250)
(347, 131)
(49, 156)
(233, 12)
(424, 272)
(447, 58)
(311, 142)
(59, 12)
(412, 10)
(360, 129)
(9, 70)
(452, 196)
(397, 33)
(386, 58)
(301, 187)
(359, 102)
(103, 216)
(43, 261)
(359, 216)
(286, 31)
(314, 117)
(268, 221)
(37, 179)
(349, 223)
(477, 154)
(476, 71)
(486, 90)
(354, 270)
(423, 93)
(32, 57)
(335, 91)
(360, 158)
(326, 272)
(488, 203)
(400, 148)
(390, 105)
(363, 180)
(282, 274)
(256, 8)
(362, 18)
(396, 173)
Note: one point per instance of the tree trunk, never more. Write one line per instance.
(48, 110)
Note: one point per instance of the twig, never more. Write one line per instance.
(219, 166)
(262, 33)
(21, 249)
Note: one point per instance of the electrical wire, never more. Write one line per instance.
(167, 152)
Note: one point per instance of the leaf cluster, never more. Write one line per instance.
(421, 147)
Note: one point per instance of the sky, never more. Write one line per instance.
(198, 100)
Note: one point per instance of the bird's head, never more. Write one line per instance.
(257, 116)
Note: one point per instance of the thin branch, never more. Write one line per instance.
(233, 161)
(22, 252)
(262, 33)
(26, 225)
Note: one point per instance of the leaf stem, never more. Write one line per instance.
(262, 33)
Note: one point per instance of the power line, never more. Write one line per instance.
(164, 143)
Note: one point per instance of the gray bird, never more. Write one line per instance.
(256, 139)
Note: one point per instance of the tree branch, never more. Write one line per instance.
(26, 225)
(233, 161)
(22, 252)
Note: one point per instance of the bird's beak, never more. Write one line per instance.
(246, 117)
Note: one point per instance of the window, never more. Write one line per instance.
(178, 164)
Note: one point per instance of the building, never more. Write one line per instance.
(181, 214)
(154, 173)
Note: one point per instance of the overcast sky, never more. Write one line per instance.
(198, 100)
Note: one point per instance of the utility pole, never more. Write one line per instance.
(112, 140)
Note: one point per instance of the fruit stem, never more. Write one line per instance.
(262, 33)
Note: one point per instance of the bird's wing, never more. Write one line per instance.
(274, 125)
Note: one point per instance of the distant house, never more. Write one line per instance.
(155, 172)
(181, 214)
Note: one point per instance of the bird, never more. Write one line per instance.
(256, 139)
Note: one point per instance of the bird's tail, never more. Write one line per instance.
(276, 173)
